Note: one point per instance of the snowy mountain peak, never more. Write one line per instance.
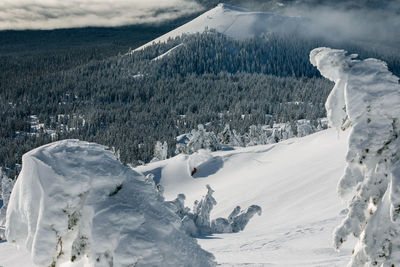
(234, 22)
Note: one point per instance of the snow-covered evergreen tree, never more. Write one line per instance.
(201, 139)
(226, 135)
(198, 222)
(160, 151)
(241, 219)
(6, 188)
(366, 99)
(230, 137)
(202, 210)
(304, 128)
(237, 139)
(236, 221)
(252, 137)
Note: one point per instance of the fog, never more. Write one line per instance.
(368, 21)
(368, 25)
(52, 14)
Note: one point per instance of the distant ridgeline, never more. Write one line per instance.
(131, 101)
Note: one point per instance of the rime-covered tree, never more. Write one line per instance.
(6, 188)
(198, 221)
(202, 210)
(366, 101)
(160, 151)
(201, 139)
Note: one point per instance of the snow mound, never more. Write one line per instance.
(366, 99)
(74, 203)
(235, 22)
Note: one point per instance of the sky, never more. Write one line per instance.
(350, 19)
(53, 14)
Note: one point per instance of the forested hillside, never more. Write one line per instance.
(131, 101)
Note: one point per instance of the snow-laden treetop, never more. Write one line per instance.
(366, 99)
(360, 86)
(73, 202)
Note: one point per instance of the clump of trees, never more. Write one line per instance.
(256, 135)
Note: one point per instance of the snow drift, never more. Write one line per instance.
(73, 202)
(366, 99)
(234, 22)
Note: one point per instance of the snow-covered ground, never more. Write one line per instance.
(235, 22)
(295, 184)
(293, 181)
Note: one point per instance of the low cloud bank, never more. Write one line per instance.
(53, 14)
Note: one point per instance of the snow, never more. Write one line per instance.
(167, 53)
(13, 256)
(235, 22)
(292, 181)
(366, 99)
(74, 204)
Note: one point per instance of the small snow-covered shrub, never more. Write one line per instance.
(198, 222)
(366, 100)
(74, 202)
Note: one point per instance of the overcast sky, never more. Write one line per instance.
(50, 14)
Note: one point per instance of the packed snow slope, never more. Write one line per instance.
(235, 22)
(293, 181)
(75, 204)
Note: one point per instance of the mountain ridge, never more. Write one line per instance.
(235, 22)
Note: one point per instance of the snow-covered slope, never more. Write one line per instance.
(235, 22)
(293, 181)
(295, 184)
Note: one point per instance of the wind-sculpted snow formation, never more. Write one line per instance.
(366, 99)
(74, 203)
(198, 222)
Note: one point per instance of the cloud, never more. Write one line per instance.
(363, 21)
(52, 14)
(370, 25)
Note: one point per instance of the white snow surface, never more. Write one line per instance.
(167, 53)
(293, 181)
(235, 22)
(74, 204)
